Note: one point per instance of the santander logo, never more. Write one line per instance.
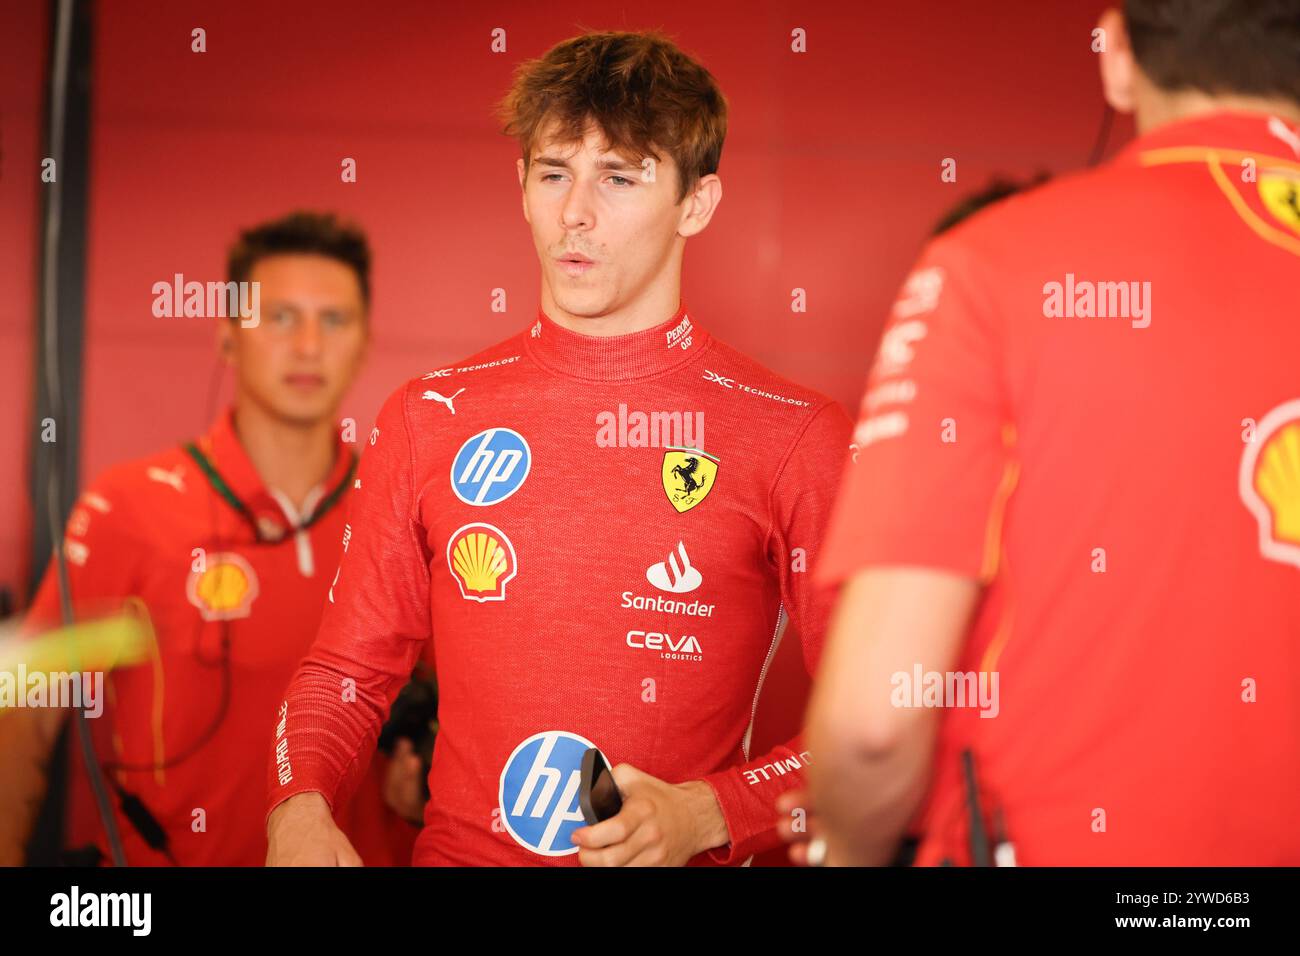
(676, 575)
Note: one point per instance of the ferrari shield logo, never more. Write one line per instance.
(689, 476)
(1281, 194)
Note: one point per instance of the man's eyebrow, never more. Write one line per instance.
(559, 162)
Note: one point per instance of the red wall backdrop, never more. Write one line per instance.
(22, 102)
(831, 173)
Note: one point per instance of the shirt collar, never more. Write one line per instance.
(635, 355)
(1227, 133)
(221, 446)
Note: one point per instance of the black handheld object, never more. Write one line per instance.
(980, 853)
(598, 795)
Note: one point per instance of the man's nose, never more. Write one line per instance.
(578, 211)
(307, 336)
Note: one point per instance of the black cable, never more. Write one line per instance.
(49, 267)
(980, 853)
(1103, 136)
(208, 733)
(143, 822)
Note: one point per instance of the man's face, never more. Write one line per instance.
(605, 225)
(300, 358)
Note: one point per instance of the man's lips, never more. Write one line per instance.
(305, 380)
(575, 263)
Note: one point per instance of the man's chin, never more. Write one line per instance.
(303, 411)
(592, 304)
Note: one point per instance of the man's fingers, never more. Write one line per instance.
(794, 822)
(640, 841)
(616, 841)
(605, 833)
(614, 854)
(793, 807)
(625, 775)
(616, 829)
(646, 847)
(654, 855)
(602, 834)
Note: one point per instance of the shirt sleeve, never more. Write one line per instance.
(103, 558)
(801, 500)
(373, 629)
(934, 463)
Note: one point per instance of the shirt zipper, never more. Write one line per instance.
(301, 535)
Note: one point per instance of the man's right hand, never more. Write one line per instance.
(301, 832)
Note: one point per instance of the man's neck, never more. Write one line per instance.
(653, 308)
(1159, 107)
(289, 457)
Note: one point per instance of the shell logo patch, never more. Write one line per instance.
(225, 589)
(482, 560)
(1269, 482)
(689, 475)
(1280, 194)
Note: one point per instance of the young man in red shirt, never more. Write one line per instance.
(1070, 543)
(227, 544)
(602, 523)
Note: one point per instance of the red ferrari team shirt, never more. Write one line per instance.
(1089, 398)
(211, 556)
(603, 538)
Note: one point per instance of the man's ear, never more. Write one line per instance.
(226, 340)
(698, 207)
(523, 191)
(1117, 65)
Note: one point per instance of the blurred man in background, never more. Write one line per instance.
(1071, 544)
(227, 544)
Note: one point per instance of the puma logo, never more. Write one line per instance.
(174, 478)
(431, 395)
(1285, 133)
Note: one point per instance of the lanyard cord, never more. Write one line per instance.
(224, 490)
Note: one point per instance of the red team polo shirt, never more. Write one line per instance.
(603, 538)
(133, 534)
(1121, 465)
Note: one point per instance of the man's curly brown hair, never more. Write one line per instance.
(639, 89)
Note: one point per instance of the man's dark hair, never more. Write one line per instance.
(302, 233)
(1249, 47)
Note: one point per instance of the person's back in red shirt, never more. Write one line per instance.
(1088, 397)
